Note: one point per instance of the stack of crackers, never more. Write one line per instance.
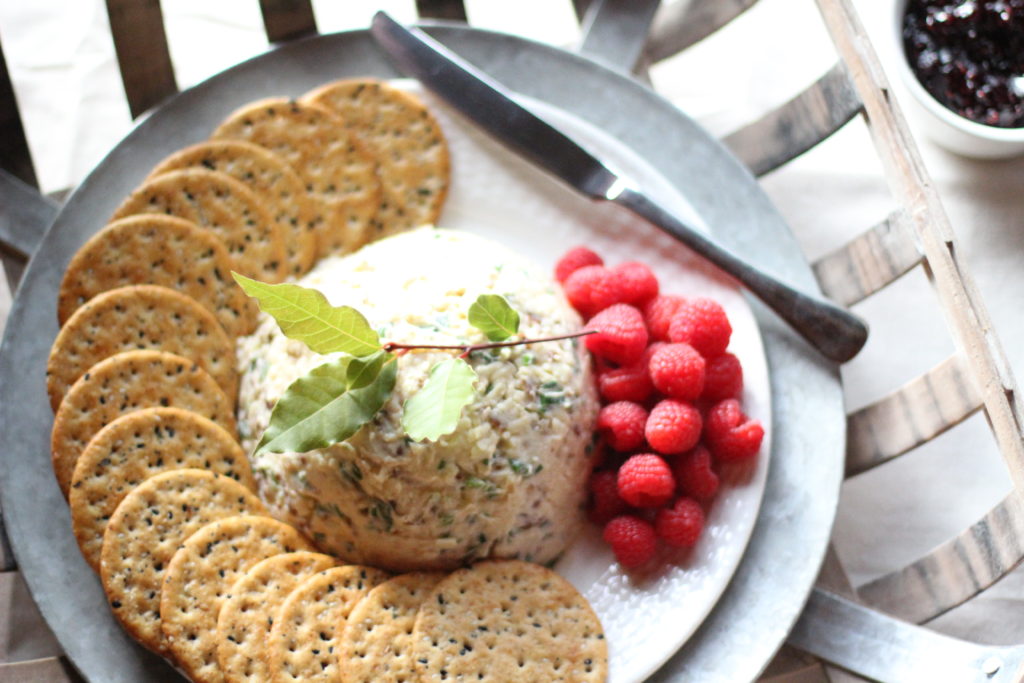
(148, 309)
(143, 382)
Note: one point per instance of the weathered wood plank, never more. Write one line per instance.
(833, 577)
(679, 25)
(51, 670)
(798, 125)
(453, 10)
(955, 571)
(800, 673)
(142, 53)
(24, 633)
(287, 19)
(15, 157)
(915, 413)
(615, 31)
(966, 314)
(870, 261)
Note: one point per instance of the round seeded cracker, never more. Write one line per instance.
(224, 206)
(200, 575)
(377, 643)
(406, 140)
(271, 179)
(135, 447)
(139, 317)
(154, 249)
(146, 530)
(247, 613)
(338, 171)
(308, 627)
(508, 620)
(122, 384)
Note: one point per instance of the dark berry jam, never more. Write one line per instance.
(970, 56)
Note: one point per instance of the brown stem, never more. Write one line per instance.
(470, 348)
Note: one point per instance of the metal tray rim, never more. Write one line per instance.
(802, 492)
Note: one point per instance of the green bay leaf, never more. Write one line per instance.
(320, 409)
(306, 315)
(492, 315)
(362, 371)
(435, 409)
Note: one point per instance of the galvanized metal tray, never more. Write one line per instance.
(768, 591)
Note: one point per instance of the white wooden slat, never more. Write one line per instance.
(956, 570)
(870, 261)
(798, 125)
(913, 414)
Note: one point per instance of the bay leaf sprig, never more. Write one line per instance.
(492, 315)
(329, 404)
(333, 401)
(435, 409)
(306, 315)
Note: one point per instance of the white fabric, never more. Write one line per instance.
(65, 74)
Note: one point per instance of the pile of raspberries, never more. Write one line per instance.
(670, 416)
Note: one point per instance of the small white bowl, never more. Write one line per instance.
(944, 126)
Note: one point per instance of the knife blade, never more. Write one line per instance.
(835, 332)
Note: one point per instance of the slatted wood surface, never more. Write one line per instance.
(916, 234)
(953, 574)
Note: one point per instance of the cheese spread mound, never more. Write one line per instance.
(509, 482)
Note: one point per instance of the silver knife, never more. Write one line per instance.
(835, 332)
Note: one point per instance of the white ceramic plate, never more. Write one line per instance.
(494, 193)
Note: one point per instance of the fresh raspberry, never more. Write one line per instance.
(658, 313)
(731, 435)
(628, 383)
(702, 324)
(645, 480)
(673, 427)
(637, 283)
(605, 503)
(621, 336)
(681, 524)
(723, 377)
(632, 540)
(573, 260)
(622, 425)
(677, 370)
(694, 475)
(652, 349)
(599, 453)
(591, 289)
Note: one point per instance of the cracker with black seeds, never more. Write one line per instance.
(145, 531)
(508, 620)
(200, 575)
(307, 630)
(377, 643)
(135, 447)
(122, 384)
(155, 249)
(247, 613)
(338, 171)
(271, 178)
(224, 206)
(408, 142)
(139, 317)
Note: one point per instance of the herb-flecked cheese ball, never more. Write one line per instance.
(509, 482)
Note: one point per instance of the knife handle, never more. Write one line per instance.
(838, 334)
